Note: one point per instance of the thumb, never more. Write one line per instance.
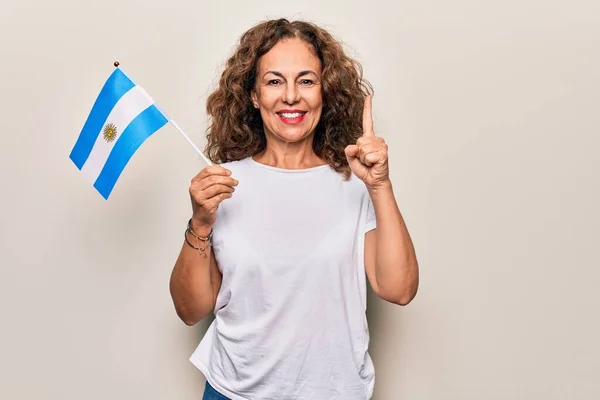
(354, 162)
(351, 151)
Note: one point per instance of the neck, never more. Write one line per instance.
(289, 155)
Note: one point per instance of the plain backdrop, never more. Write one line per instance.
(490, 109)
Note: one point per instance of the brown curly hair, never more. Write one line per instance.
(236, 128)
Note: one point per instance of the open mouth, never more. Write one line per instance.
(292, 117)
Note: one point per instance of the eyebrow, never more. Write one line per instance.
(302, 73)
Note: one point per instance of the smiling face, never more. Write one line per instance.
(288, 91)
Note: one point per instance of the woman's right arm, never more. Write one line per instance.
(196, 279)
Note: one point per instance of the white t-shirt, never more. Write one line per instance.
(290, 317)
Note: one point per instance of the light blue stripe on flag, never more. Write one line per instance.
(115, 87)
(144, 125)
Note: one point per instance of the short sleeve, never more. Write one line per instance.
(371, 220)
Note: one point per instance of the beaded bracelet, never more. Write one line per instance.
(207, 240)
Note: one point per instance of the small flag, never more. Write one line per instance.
(122, 118)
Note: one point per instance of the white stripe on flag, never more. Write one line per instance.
(127, 108)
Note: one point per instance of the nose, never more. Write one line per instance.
(290, 96)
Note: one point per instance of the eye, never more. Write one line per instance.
(306, 82)
(274, 82)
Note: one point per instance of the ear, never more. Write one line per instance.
(254, 98)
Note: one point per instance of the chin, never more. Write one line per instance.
(291, 135)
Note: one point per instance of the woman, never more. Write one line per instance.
(310, 212)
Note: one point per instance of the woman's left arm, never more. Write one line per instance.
(390, 261)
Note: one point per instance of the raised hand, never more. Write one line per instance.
(368, 158)
(208, 189)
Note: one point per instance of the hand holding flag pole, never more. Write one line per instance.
(124, 115)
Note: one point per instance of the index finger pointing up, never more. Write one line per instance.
(368, 118)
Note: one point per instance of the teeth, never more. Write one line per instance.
(291, 115)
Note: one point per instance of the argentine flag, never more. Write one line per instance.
(122, 118)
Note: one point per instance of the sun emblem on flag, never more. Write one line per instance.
(109, 132)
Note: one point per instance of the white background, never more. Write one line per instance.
(491, 111)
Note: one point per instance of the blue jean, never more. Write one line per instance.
(211, 394)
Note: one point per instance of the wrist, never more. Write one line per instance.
(380, 188)
(200, 229)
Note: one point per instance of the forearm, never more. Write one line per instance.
(396, 267)
(191, 284)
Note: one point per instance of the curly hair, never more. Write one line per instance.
(236, 129)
